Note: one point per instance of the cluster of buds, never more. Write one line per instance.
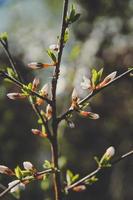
(87, 83)
(75, 105)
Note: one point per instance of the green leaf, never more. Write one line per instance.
(51, 55)
(75, 177)
(66, 36)
(11, 72)
(18, 172)
(4, 36)
(91, 180)
(73, 15)
(100, 72)
(47, 164)
(94, 78)
(69, 176)
(97, 160)
(40, 121)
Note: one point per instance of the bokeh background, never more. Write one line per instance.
(101, 38)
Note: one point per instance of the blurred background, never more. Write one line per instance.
(101, 38)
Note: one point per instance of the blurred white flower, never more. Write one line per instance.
(54, 47)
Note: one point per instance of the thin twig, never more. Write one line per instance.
(98, 170)
(13, 65)
(63, 116)
(26, 179)
(21, 85)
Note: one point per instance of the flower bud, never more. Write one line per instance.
(6, 170)
(74, 95)
(89, 114)
(54, 47)
(39, 133)
(79, 188)
(15, 96)
(35, 65)
(107, 80)
(28, 165)
(44, 93)
(35, 83)
(48, 112)
(110, 152)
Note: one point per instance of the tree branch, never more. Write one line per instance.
(54, 143)
(21, 85)
(63, 116)
(98, 170)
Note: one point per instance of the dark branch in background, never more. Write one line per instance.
(21, 85)
(94, 93)
(26, 179)
(13, 65)
(81, 181)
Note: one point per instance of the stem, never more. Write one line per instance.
(63, 116)
(54, 141)
(98, 170)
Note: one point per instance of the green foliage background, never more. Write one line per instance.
(102, 37)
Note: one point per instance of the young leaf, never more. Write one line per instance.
(18, 172)
(66, 36)
(51, 55)
(47, 164)
(94, 78)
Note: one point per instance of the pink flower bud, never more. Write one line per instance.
(89, 114)
(43, 92)
(35, 65)
(6, 170)
(48, 112)
(39, 133)
(15, 96)
(107, 80)
(79, 188)
(35, 83)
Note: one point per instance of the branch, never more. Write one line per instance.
(94, 93)
(57, 68)
(98, 170)
(26, 179)
(13, 65)
(21, 85)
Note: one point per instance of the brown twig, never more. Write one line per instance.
(63, 116)
(97, 171)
